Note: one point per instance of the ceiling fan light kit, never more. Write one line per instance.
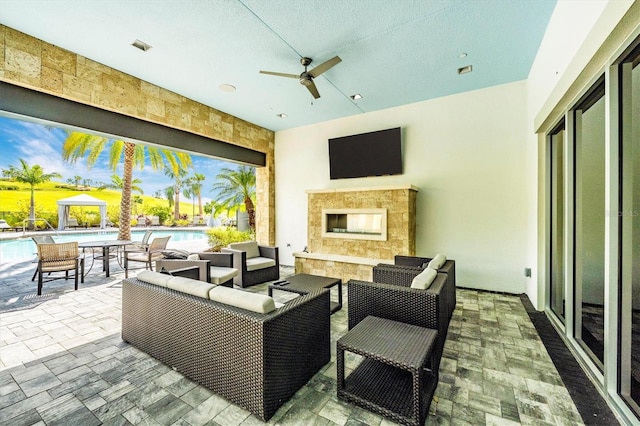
(306, 77)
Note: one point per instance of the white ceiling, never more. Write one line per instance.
(393, 52)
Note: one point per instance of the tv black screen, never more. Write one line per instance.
(368, 154)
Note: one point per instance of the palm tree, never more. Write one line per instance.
(169, 195)
(32, 175)
(236, 187)
(178, 181)
(118, 184)
(78, 145)
(196, 188)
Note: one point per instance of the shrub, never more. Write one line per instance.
(182, 222)
(113, 214)
(220, 237)
(17, 217)
(163, 213)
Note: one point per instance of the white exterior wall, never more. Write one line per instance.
(467, 155)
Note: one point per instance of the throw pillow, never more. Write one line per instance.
(423, 280)
(193, 256)
(175, 254)
(437, 261)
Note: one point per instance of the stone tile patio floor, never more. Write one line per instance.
(62, 362)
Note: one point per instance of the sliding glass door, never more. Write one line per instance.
(556, 215)
(629, 216)
(589, 221)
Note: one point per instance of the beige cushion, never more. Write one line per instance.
(144, 257)
(190, 286)
(220, 274)
(424, 279)
(251, 247)
(254, 302)
(259, 263)
(193, 256)
(437, 261)
(154, 278)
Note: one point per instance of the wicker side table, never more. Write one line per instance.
(394, 379)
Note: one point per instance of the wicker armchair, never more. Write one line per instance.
(396, 300)
(248, 274)
(153, 253)
(215, 268)
(414, 264)
(61, 257)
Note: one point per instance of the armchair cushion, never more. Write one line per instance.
(190, 286)
(254, 302)
(221, 274)
(424, 279)
(154, 278)
(145, 257)
(250, 247)
(193, 256)
(256, 263)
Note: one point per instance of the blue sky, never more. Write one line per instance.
(39, 144)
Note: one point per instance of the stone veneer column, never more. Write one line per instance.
(29, 62)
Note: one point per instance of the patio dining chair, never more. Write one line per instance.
(59, 257)
(142, 245)
(148, 257)
(41, 239)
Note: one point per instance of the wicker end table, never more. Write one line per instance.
(394, 379)
(306, 283)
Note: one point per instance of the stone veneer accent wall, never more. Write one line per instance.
(29, 62)
(400, 203)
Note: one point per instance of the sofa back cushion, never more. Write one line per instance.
(255, 302)
(154, 278)
(190, 286)
(251, 247)
(424, 279)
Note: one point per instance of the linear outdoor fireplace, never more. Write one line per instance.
(357, 224)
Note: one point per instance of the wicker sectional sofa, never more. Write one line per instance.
(255, 360)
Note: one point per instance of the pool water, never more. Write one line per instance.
(25, 248)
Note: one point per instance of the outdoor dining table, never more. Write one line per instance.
(106, 247)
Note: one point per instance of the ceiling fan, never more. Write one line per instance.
(306, 77)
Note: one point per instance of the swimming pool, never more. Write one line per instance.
(25, 248)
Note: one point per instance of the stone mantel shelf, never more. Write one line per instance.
(366, 188)
(342, 258)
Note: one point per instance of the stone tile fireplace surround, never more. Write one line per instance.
(351, 230)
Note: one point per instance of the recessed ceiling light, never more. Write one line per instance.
(229, 88)
(141, 45)
(282, 115)
(465, 69)
(356, 96)
(462, 55)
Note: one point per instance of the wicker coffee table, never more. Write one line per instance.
(306, 283)
(394, 379)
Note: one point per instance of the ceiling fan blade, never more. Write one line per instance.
(313, 89)
(316, 71)
(280, 74)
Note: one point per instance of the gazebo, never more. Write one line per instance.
(80, 200)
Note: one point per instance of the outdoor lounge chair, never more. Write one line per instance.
(255, 263)
(4, 226)
(59, 257)
(72, 222)
(398, 301)
(147, 257)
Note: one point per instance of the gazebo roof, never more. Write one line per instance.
(82, 200)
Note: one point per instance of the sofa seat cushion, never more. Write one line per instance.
(254, 302)
(256, 263)
(154, 278)
(251, 247)
(424, 279)
(220, 274)
(190, 286)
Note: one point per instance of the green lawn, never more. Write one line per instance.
(49, 193)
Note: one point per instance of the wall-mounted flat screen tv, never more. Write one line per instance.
(368, 154)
